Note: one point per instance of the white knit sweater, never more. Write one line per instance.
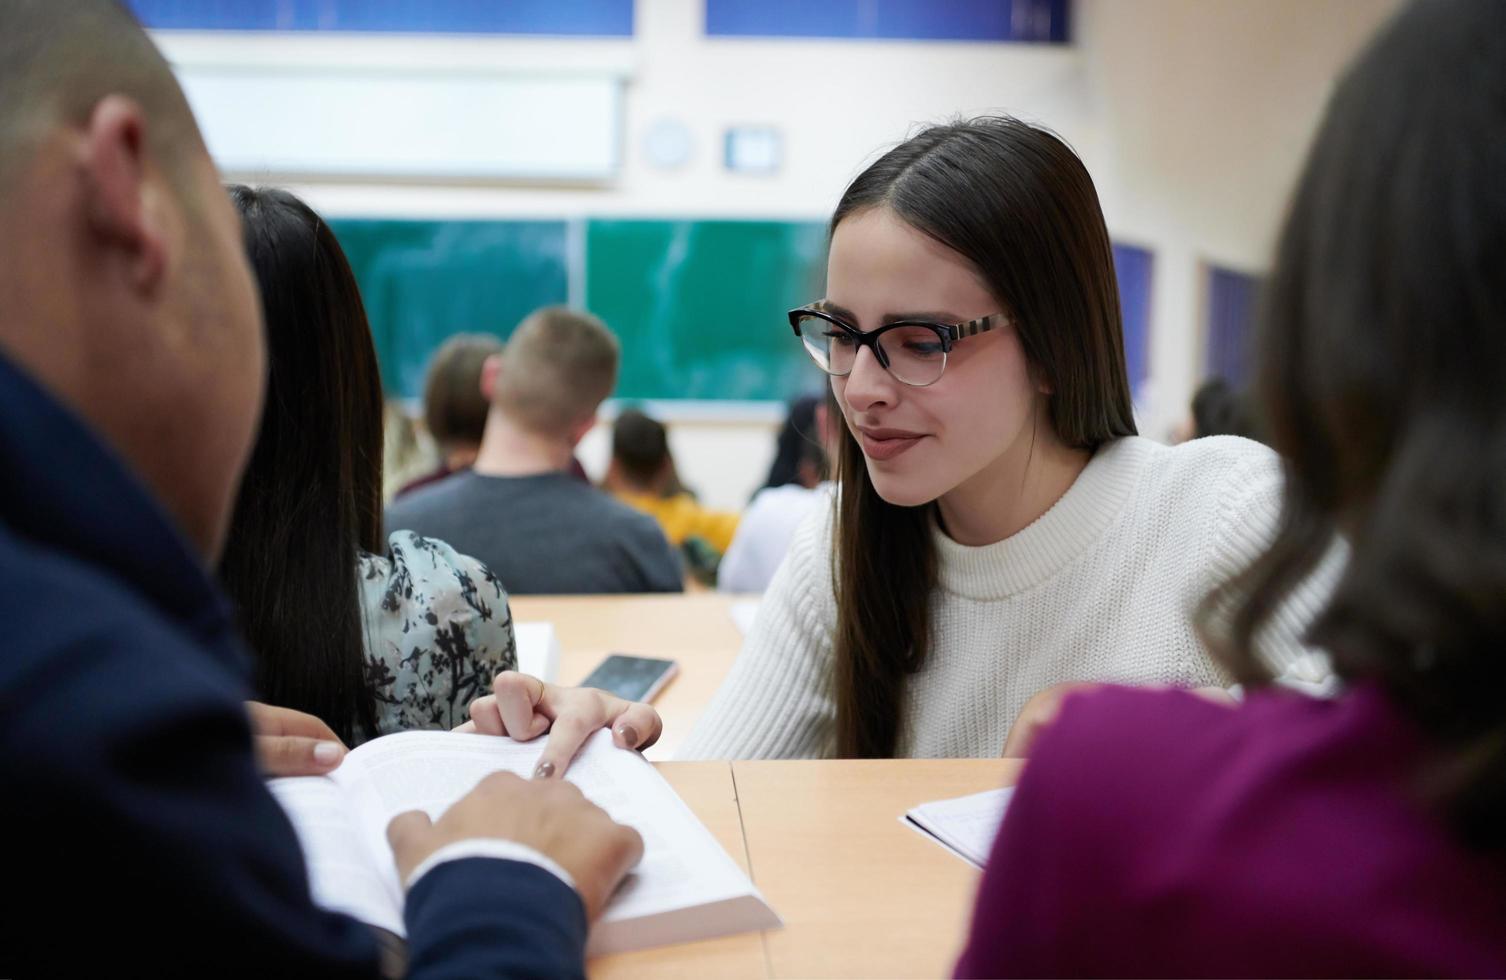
(1100, 588)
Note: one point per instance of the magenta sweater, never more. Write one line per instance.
(1156, 834)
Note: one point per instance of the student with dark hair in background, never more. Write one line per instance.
(768, 525)
(131, 381)
(799, 452)
(454, 406)
(371, 635)
(1218, 409)
(518, 509)
(642, 475)
(1155, 834)
(999, 532)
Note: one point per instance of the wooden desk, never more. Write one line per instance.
(706, 787)
(694, 629)
(861, 894)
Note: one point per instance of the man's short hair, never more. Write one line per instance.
(640, 445)
(557, 368)
(454, 407)
(58, 58)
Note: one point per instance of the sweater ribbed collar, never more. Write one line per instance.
(1036, 553)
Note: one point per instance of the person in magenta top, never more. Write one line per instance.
(1155, 833)
(1158, 834)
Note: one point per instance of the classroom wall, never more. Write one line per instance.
(1192, 116)
(1205, 113)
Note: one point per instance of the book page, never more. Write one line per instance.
(683, 866)
(965, 825)
(343, 873)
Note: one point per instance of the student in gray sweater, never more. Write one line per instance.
(518, 510)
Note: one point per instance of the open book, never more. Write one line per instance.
(686, 887)
(964, 825)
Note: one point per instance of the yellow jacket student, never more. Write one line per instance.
(643, 476)
(682, 517)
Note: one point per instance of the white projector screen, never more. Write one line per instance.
(407, 123)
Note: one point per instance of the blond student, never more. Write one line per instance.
(517, 509)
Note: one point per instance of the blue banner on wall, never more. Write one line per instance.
(914, 20)
(1231, 317)
(1133, 267)
(596, 18)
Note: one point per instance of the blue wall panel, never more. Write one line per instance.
(920, 20)
(611, 18)
(1133, 267)
(1232, 300)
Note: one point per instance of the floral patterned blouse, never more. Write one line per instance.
(438, 629)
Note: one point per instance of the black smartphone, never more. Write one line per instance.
(633, 678)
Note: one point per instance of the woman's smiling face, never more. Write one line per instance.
(921, 443)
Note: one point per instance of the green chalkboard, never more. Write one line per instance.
(700, 305)
(425, 280)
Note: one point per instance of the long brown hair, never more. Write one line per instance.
(1018, 204)
(1380, 368)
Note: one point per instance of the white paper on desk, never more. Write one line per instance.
(685, 888)
(538, 650)
(743, 614)
(964, 825)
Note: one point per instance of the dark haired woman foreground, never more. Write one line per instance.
(999, 527)
(372, 638)
(1157, 835)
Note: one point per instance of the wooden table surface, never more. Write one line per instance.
(861, 894)
(694, 629)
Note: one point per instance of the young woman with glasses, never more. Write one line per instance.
(1000, 530)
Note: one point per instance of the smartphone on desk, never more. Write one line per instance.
(633, 678)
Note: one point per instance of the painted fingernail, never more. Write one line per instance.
(629, 735)
(326, 752)
(544, 770)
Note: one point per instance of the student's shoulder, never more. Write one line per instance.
(625, 522)
(1210, 463)
(1113, 728)
(55, 599)
(416, 506)
(777, 505)
(1216, 474)
(416, 563)
(423, 503)
(788, 495)
(81, 645)
(811, 545)
(1122, 761)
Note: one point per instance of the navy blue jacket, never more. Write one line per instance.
(139, 835)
